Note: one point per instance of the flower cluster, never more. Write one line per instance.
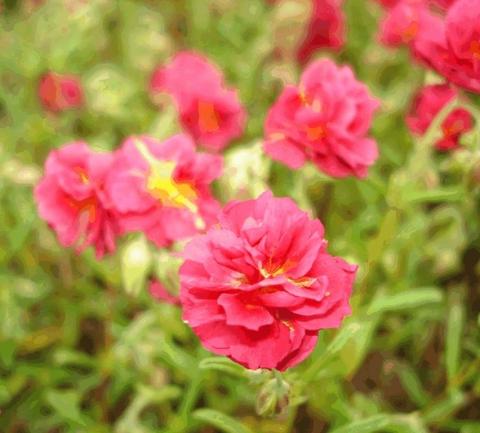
(259, 286)
(326, 29)
(60, 92)
(324, 119)
(159, 188)
(452, 47)
(427, 104)
(442, 34)
(208, 110)
(257, 283)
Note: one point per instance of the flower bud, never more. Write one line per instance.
(136, 262)
(290, 18)
(245, 172)
(166, 269)
(273, 398)
(109, 92)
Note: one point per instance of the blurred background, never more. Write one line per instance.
(85, 348)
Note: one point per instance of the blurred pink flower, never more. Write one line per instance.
(403, 22)
(71, 199)
(208, 110)
(163, 188)
(259, 286)
(325, 119)
(427, 104)
(60, 92)
(452, 47)
(388, 3)
(158, 292)
(325, 30)
(442, 4)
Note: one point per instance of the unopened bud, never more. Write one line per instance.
(136, 262)
(273, 398)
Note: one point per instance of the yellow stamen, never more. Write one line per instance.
(289, 325)
(162, 186)
(171, 193)
(82, 174)
(302, 94)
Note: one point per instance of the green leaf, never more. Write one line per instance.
(222, 364)
(413, 298)
(375, 423)
(342, 338)
(66, 404)
(439, 195)
(444, 408)
(7, 352)
(220, 421)
(352, 342)
(413, 386)
(455, 321)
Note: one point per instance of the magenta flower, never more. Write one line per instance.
(208, 110)
(71, 198)
(427, 104)
(163, 188)
(259, 286)
(452, 47)
(388, 3)
(158, 292)
(404, 21)
(326, 29)
(60, 92)
(325, 119)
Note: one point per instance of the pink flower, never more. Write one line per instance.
(325, 119)
(71, 199)
(260, 285)
(403, 22)
(427, 104)
(163, 188)
(60, 92)
(452, 47)
(442, 4)
(325, 30)
(388, 3)
(208, 110)
(158, 292)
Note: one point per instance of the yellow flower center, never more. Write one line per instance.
(164, 188)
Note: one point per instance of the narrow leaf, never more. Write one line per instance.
(405, 300)
(222, 364)
(220, 421)
(375, 423)
(455, 321)
(66, 404)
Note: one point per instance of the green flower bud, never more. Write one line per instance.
(136, 261)
(273, 398)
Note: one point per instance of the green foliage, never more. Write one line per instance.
(83, 347)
